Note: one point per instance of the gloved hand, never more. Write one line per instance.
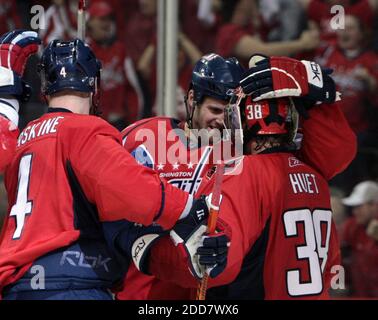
(143, 239)
(276, 77)
(15, 49)
(213, 251)
(201, 251)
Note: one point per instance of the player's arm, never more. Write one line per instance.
(329, 145)
(166, 263)
(111, 178)
(326, 131)
(194, 249)
(15, 48)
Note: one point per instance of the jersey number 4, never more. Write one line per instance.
(23, 206)
(313, 250)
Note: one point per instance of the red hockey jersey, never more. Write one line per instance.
(60, 157)
(158, 144)
(8, 143)
(283, 239)
(325, 132)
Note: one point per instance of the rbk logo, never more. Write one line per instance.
(316, 71)
(79, 259)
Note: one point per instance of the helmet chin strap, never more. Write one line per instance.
(95, 99)
(189, 111)
(94, 109)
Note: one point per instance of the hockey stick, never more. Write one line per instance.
(212, 222)
(81, 21)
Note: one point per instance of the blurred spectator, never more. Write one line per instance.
(356, 74)
(129, 9)
(188, 55)
(121, 98)
(9, 16)
(141, 29)
(60, 21)
(199, 21)
(240, 34)
(320, 15)
(339, 216)
(338, 210)
(121, 9)
(359, 242)
(282, 19)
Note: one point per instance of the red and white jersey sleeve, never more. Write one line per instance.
(114, 181)
(8, 140)
(329, 144)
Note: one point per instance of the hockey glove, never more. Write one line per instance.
(213, 252)
(15, 49)
(143, 240)
(200, 250)
(286, 77)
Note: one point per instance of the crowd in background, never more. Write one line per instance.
(123, 35)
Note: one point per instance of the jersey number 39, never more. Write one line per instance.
(313, 250)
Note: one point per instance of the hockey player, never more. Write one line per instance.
(70, 176)
(325, 131)
(284, 241)
(213, 80)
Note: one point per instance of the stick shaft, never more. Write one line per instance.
(212, 222)
(81, 20)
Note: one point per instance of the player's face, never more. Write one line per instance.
(209, 114)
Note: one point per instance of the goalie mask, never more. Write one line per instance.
(265, 117)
